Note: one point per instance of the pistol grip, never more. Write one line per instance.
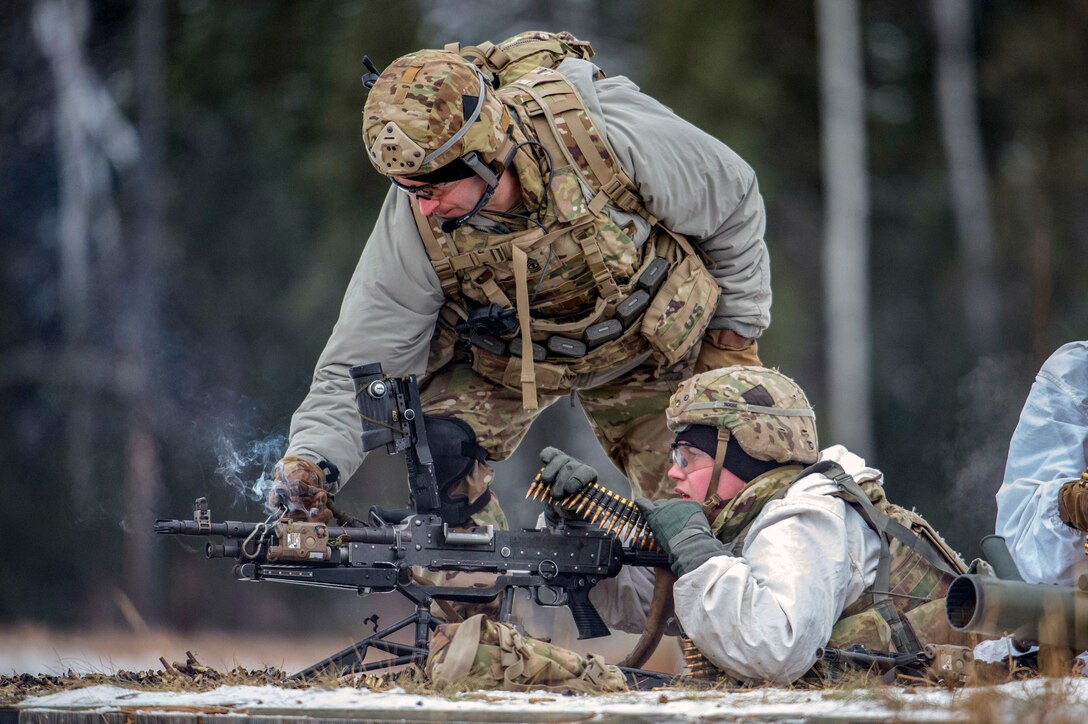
(589, 622)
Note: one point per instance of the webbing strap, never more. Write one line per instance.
(479, 257)
(919, 545)
(591, 250)
(576, 122)
(488, 53)
(713, 500)
(528, 367)
(903, 636)
(607, 179)
(440, 259)
(618, 191)
(892, 527)
(569, 103)
(547, 87)
(575, 119)
(485, 279)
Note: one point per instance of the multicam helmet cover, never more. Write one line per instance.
(416, 118)
(763, 410)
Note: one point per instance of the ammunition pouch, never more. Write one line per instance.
(680, 312)
(560, 376)
(670, 309)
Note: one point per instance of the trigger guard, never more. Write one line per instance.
(559, 596)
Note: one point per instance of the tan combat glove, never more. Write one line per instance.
(1073, 503)
(726, 348)
(300, 485)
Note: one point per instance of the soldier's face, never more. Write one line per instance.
(691, 471)
(457, 198)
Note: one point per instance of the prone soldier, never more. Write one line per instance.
(790, 550)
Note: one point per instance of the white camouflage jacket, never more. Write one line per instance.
(762, 615)
(1049, 449)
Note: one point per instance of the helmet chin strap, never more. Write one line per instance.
(450, 225)
(473, 161)
(713, 501)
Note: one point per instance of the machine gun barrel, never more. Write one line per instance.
(1048, 615)
(238, 529)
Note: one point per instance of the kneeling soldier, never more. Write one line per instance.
(776, 559)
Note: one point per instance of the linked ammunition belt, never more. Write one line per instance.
(628, 313)
(599, 506)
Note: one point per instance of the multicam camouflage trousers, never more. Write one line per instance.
(485, 654)
(627, 416)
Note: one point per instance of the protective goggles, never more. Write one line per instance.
(690, 458)
(426, 191)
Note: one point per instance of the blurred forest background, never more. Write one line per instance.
(184, 195)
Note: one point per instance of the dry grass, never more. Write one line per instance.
(1053, 702)
(1053, 705)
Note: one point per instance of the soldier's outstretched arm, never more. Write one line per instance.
(388, 315)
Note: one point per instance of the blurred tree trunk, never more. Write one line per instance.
(1042, 289)
(846, 210)
(143, 320)
(93, 141)
(957, 95)
(60, 29)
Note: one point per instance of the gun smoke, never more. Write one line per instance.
(988, 403)
(247, 467)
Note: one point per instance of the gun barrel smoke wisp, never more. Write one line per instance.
(247, 467)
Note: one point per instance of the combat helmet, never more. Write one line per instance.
(432, 116)
(763, 410)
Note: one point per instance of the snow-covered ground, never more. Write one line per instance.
(1035, 700)
(39, 650)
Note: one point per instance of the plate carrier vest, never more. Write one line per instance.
(580, 286)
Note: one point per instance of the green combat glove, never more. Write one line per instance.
(680, 528)
(566, 475)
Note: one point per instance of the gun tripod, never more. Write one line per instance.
(351, 659)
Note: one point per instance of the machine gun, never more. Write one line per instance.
(558, 566)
